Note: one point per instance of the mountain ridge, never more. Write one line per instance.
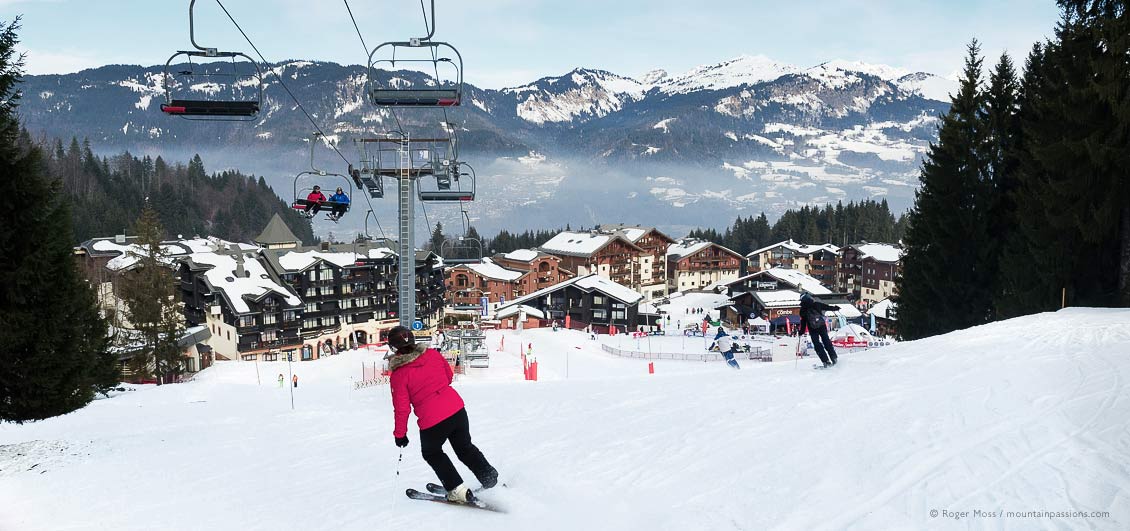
(733, 136)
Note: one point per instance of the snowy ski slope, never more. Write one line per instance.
(1031, 414)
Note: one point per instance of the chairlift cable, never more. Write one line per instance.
(435, 66)
(279, 79)
(356, 27)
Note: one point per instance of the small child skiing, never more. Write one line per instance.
(421, 381)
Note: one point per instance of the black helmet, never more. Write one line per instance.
(806, 297)
(401, 338)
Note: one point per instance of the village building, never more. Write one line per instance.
(580, 302)
(612, 256)
(817, 261)
(542, 269)
(774, 294)
(868, 271)
(275, 297)
(884, 318)
(467, 284)
(653, 271)
(697, 264)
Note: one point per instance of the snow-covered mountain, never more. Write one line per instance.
(917, 435)
(575, 97)
(736, 137)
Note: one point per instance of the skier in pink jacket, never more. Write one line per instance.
(421, 381)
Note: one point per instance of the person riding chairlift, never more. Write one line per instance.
(314, 202)
(340, 204)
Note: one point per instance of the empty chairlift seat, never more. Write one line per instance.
(417, 73)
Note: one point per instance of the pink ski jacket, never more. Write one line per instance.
(422, 383)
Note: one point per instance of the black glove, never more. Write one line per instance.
(401, 442)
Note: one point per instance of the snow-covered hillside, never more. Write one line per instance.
(1031, 414)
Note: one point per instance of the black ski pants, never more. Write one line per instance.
(456, 429)
(823, 344)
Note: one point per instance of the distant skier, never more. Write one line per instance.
(281, 380)
(421, 381)
(314, 201)
(340, 204)
(812, 319)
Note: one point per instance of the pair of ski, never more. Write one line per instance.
(823, 367)
(436, 493)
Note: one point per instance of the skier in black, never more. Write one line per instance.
(812, 319)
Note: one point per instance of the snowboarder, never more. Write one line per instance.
(812, 320)
(421, 381)
(727, 347)
(314, 201)
(340, 204)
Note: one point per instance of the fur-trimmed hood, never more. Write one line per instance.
(397, 360)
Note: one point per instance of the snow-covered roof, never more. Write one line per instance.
(634, 233)
(297, 261)
(784, 298)
(849, 311)
(131, 253)
(851, 330)
(255, 284)
(588, 282)
(614, 290)
(686, 248)
(581, 243)
(882, 309)
(507, 311)
(880, 251)
(381, 252)
(798, 279)
(521, 255)
(489, 269)
(798, 248)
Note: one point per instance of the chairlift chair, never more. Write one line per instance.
(461, 251)
(444, 87)
(300, 201)
(455, 183)
(242, 70)
(395, 154)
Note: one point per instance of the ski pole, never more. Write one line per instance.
(396, 480)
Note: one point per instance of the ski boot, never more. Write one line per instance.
(490, 479)
(461, 494)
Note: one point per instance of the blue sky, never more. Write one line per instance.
(510, 42)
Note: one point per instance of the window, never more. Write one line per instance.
(312, 323)
(271, 356)
(311, 307)
(598, 299)
(311, 292)
(307, 352)
(290, 315)
(312, 275)
(346, 289)
(269, 335)
(599, 313)
(246, 320)
(249, 357)
(325, 273)
(619, 315)
(270, 318)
